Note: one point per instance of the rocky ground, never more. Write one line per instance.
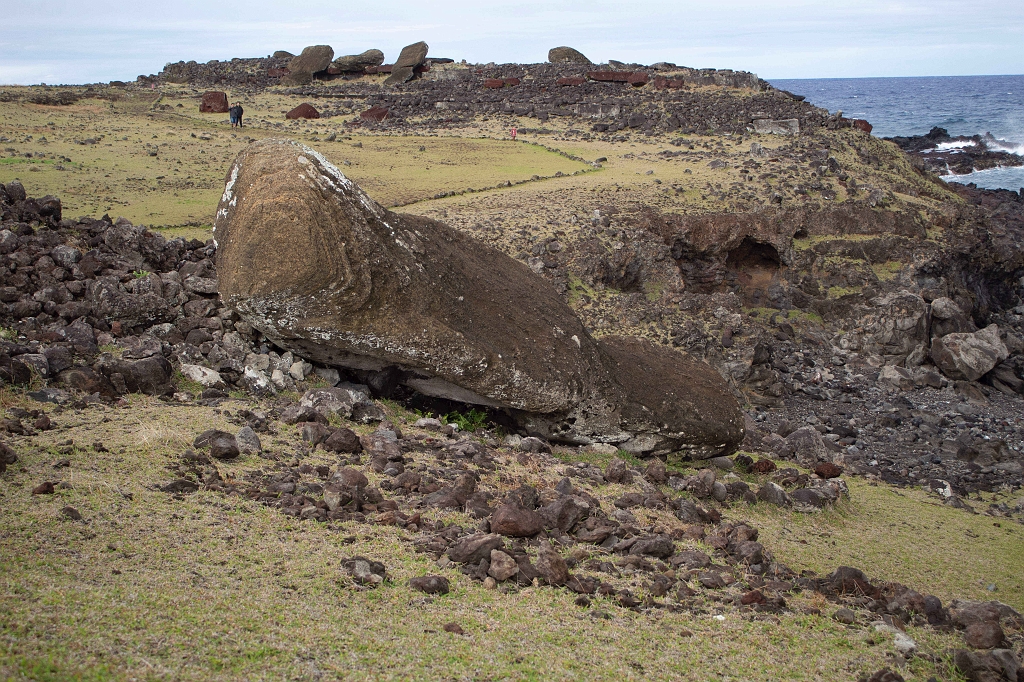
(872, 330)
(938, 152)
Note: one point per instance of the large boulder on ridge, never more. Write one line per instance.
(355, 63)
(313, 60)
(405, 66)
(322, 270)
(567, 55)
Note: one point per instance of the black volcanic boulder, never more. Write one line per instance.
(405, 66)
(312, 262)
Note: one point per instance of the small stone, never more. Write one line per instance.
(470, 550)
(343, 440)
(723, 463)
(430, 584)
(772, 493)
(656, 472)
(502, 566)
(845, 616)
(71, 514)
(248, 442)
(364, 571)
(490, 583)
(618, 472)
(454, 628)
(551, 566)
(44, 488)
(515, 521)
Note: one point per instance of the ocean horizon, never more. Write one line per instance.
(913, 105)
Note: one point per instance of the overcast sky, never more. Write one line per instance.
(71, 41)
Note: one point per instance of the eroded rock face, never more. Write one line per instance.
(313, 263)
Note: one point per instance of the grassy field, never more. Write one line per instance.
(150, 586)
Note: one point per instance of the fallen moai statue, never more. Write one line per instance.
(322, 270)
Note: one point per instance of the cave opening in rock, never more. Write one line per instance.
(752, 254)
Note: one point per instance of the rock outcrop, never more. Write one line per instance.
(405, 66)
(318, 267)
(314, 59)
(355, 63)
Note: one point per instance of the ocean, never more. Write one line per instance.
(963, 105)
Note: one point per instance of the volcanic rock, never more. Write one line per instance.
(567, 55)
(314, 59)
(355, 63)
(319, 268)
(214, 103)
(404, 68)
(969, 356)
(304, 110)
(515, 521)
(430, 584)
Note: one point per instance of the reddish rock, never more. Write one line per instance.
(609, 76)
(343, 440)
(375, 113)
(214, 103)
(278, 73)
(828, 470)
(753, 597)
(511, 82)
(571, 80)
(494, 83)
(862, 125)
(383, 68)
(638, 79)
(661, 82)
(515, 521)
(334, 71)
(763, 466)
(304, 110)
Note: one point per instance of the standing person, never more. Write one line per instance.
(513, 132)
(235, 113)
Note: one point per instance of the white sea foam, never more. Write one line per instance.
(956, 144)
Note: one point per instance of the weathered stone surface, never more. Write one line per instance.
(502, 566)
(472, 549)
(563, 54)
(515, 521)
(431, 584)
(214, 103)
(767, 126)
(314, 59)
(405, 66)
(355, 63)
(551, 565)
(309, 260)
(969, 356)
